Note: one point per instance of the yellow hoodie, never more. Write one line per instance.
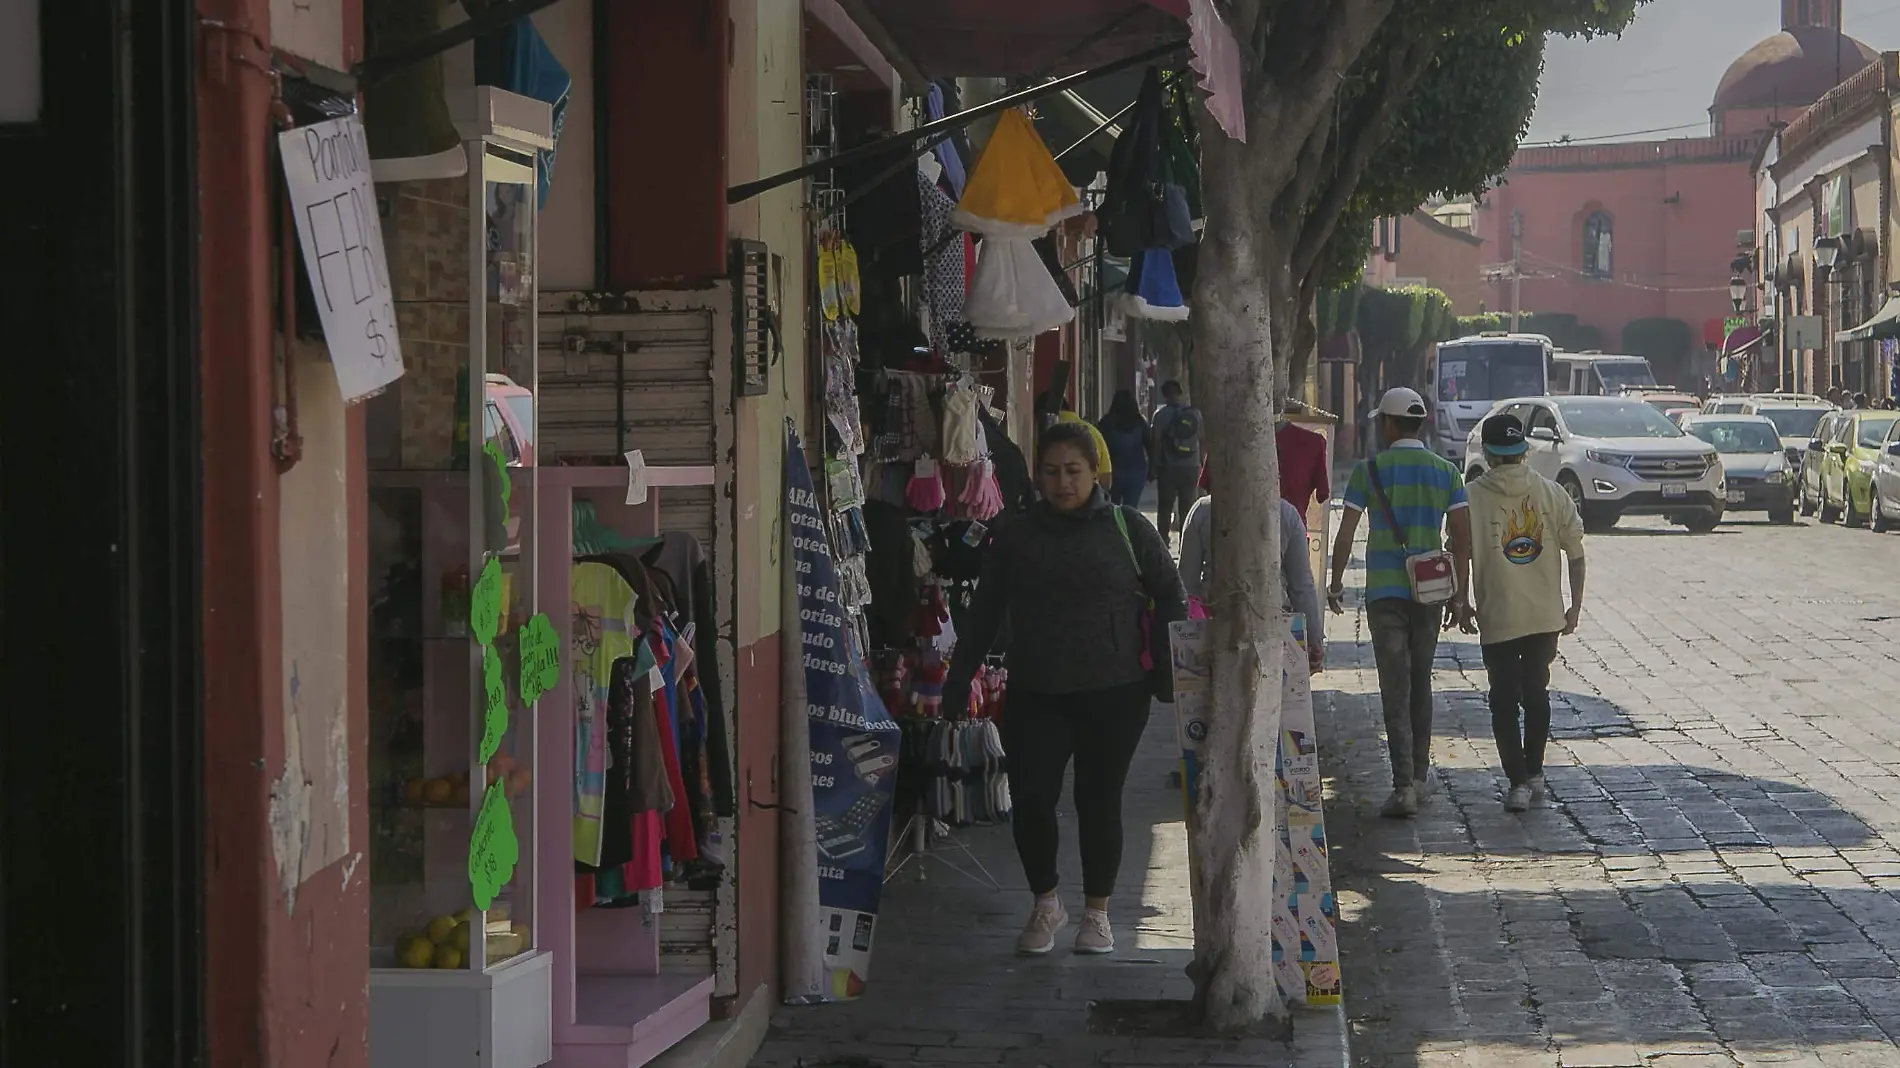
(1519, 521)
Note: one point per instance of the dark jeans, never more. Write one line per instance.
(1520, 678)
(1404, 641)
(1179, 487)
(1128, 488)
(1101, 729)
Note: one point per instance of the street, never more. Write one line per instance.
(1712, 883)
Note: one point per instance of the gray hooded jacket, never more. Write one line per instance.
(1068, 586)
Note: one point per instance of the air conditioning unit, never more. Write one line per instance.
(1744, 239)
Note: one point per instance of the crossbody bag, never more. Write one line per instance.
(1431, 575)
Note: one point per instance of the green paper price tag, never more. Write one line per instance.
(484, 604)
(494, 704)
(493, 849)
(540, 658)
(492, 450)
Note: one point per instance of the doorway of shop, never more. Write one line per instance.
(99, 856)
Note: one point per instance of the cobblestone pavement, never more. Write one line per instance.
(1712, 885)
(1715, 880)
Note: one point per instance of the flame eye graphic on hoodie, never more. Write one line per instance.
(1523, 540)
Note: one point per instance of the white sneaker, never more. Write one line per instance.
(1538, 790)
(1096, 936)
(1403, 803)
(1518, 800)
(1039, 934)
(1427, 786)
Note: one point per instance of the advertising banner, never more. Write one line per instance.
(854, 747)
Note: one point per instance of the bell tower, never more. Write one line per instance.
(1810, 14)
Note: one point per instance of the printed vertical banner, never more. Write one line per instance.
(1193, 663)
(1305, 948)
(854, 747)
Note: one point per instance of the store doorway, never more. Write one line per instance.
(100, 863)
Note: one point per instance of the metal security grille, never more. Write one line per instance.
(754, 330)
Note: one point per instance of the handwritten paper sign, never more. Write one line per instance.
(484, 604)
(494, 704)
(540, 658)
(327, 172)
(493, 849)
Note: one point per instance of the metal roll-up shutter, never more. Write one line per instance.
(643, 380)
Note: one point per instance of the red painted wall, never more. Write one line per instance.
(1448, 259)
(667, 71)
(1674, 228)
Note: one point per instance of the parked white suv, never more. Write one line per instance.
(1615, 457)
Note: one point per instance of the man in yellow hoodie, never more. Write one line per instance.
(1519, 522)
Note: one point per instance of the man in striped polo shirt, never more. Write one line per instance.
(1427, 496)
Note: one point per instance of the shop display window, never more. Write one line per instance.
(460, 642)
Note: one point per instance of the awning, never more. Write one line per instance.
(1743, 340)
(1883, 326)
(1010, 38)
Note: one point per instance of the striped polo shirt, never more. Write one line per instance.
(1422, 488)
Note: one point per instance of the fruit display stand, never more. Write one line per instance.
(613, 1005)
(460, 643)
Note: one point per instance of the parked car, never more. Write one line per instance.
(1664, 398)
(1616, 457)
(1847, 460)
(1724, 404)
(1808, 494)
(1795, 419)
(1678, 415)
(1760, 477)
(1886, 494)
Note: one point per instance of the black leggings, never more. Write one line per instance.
(1101, 729)
(1520, 678)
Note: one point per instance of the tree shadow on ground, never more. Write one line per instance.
(1648, 909)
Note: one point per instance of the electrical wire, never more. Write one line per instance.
(1567, 269)
(1560, 142)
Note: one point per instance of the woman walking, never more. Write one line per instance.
(1126, 433)
(1071, 578)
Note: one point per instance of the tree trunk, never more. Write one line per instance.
(1232, 838)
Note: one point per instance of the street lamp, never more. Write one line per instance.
(1827, 252)
(1737, 292)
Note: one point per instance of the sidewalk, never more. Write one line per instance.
(947, 989)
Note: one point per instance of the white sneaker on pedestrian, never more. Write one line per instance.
(1039, 934)
(1403, 804)
(1518, 800)
(1538, 790)
(1096, 936)
(1427, 786)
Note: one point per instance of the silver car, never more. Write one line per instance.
(1616, 457)
(1886, 495)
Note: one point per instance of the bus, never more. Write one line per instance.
(1466, 377)
(1596, 374)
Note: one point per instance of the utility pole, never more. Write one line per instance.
(1517, 268)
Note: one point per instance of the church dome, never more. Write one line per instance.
(1792, 69)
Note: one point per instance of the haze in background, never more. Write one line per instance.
(1664, 69)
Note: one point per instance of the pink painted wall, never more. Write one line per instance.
(1676, 208)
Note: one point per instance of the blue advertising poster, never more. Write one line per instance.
(854, 747)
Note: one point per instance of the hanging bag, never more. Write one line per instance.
(1433, 579)
(1154, 649)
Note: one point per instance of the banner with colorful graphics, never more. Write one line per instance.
(854, 748)
(1305, 947)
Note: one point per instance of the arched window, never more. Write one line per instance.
(1596, 245)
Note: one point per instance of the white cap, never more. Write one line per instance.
(1402, 403)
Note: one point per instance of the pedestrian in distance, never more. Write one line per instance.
(1860, 401)
(1127, 436)
(1071, 577)
(1297, 589)
(1177, 452)
(1520, 522)
(1413, 588)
